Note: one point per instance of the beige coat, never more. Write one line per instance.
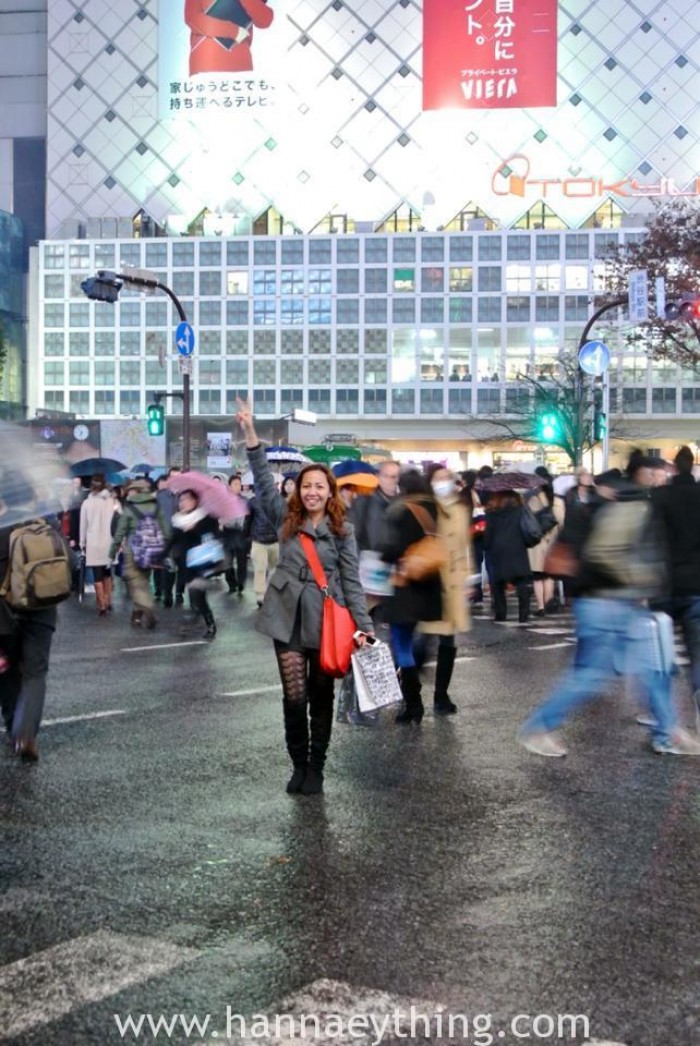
(538, 554)
(453, 528)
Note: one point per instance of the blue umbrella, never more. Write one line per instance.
(96, 466)
(288, 454)
(351, 468)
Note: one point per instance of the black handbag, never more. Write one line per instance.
(546, 519)
(529, 527)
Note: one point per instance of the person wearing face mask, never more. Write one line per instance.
(292, 609)
(452, 527)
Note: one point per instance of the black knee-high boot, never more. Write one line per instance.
(296, 732)
(321, 715)
(442, 705)
(410, 688)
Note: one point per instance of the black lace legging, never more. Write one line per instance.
(303, 683)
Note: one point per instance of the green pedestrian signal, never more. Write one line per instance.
(548, 427)
(156, 419)
(600, 426)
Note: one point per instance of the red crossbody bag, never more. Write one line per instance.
(337, 625)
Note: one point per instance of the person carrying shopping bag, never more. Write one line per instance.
(194, 543)
(292, 609)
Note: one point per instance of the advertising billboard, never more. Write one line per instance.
(489, 54)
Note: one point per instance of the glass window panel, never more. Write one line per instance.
(488, 401)
(79, 256)
(79, 315)
(460, 309)
(577, 245)
(347, 401)
(208, 343)
(104, 343)
(54, 373)
(78, 343)
(403, 249)
(347, 342)
(292, 252)
(237, 281)
(237, 313)
(237, 252)
(264, 343)
(348, 310)
(375, 310)
(130, 372)
(663, 401)
(54, 256)
(264, 372)
(518, 278)
(210, 253)
(264, 281)
(634, 401)
(210, 313)
(54, 286)
(320, 399)
(461, 248)
(432, 401)
(576, 307)
(237, 373)
(348, 281)
(518, 308)
(518, 247)
(547, 277)
(489, 310)
(54, 343)
(375, 281)
(576, 277)
(432, 248)
(348, 250)
(79, 402)
(376, 340)
(130, 254)
(320, 371)
(156, 314)
(210, 283)
(403, 356)
(264, 252)
(183, 284)
(546, 308)
(291, 311)
(459, 400)
(489, 277)
(156, 255)
(375, 372)
(319, 281)
(292, 281)
(547, 246)
(432, 280)
(375, 249)
(375, 401)
(432, 310)
(490, 248)
(461, 278)
(403, 310)
(403, 401)
(292, 342)
(129, 343)
(292, 371)
(319, 342)
(264, 312)
(347, 372)
(236, 343)
(320, 252)
(404, 280)
(319, 311)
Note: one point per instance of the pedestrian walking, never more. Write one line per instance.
(412, 517)
(622, 566)
(142, 531)
(165, 580)
(452, 528)
(194, 542)
(237, 541)
(506, 552)
(292, 608)
(96, 520)
(264, 550)
(549, 511)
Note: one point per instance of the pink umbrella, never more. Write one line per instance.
(214, 495)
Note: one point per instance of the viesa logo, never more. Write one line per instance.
(513, 178)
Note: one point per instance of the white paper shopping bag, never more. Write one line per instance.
(375, 677)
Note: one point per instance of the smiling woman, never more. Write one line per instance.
(292, 610)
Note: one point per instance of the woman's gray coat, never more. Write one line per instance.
(292, 586)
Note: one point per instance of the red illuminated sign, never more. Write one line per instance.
(489, 54)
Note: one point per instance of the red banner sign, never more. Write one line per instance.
(489, 54)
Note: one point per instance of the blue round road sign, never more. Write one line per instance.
(184, 339)
(594, 358)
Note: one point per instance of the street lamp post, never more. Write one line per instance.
(580, 374)
(105, 287)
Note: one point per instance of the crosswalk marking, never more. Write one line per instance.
(164, 646)
(48, 985)
(82, 718)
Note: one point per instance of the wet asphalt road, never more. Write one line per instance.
(152, 862)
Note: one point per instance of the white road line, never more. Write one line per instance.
(48, 985)
(164, 646)
(549, 646)
(257, 690)
(81, 718)
(549, 631)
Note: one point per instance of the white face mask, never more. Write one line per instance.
(444, 488)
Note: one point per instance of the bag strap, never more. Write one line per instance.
(309, 546)
(423, 517)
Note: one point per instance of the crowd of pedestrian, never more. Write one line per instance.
(621, 549)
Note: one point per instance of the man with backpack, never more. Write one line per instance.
(621, 567)
(35, 575)
(143, 530)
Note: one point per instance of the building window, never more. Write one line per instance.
(403, 310)
(78, 343)
(54, 287)
(576, 277)
(130, 402)
(488, 401)
(517, 400)
(264, 312)
(264, 282)
(459, 401)
(348, 310)
(290, 399)
(319, 342)
(130, 372)
(432, 280)
(347, 401)
(104, 401)
(54, 400)
(375, 310)
(320, 400)
(209, 372)
(403, 401)
(319, 311)
(210, 314)
(79, 315)
(104, 343)
(320, 252)
(292, 342)
(404, 249)
(347, 372)
(461, 278)
(518, 248)
(460, 310)
(347, 342)
(264, 252)
(237, 252)
(691, 401)
(210, 401)
(237, 313)
(54, 344)
(129, 313)
(490, 248)
(54, 256)
(183, 255)
(348, 281)
(291, 311)
(634, 401)
(489, 310)
(375, 401)
(210, 253)
(319, 372)
(375, 340)
(576, 245)
(264, 343)
(576, 307)
(546, 308)
(604, 242)
(432, 401)
(183, 284)
(264, 372)
(375, 249)
(237, 281)
(348, 250)
(547, 277)
(432, 310)
(547, 246)
(375, 281)
(265, 401)
(489, 277)
(292, 372)
(156, 255)
(237, 373)
(157, 342)
(404, 280)
(210, 283)
(79, 256)
(156, 314)
(292, 252)
(236, 343)
(432, 249)
(461, 248)
(375, 372)
(129, 343)
(291, 281)
(54, 373)
(319, 281)
(79, 402)
(104, 373)
(54, 316)
(663, 401)
(518, 309)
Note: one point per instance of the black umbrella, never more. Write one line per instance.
(96, 466)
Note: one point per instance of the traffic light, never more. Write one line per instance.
(548, 427)
(156, 419)
(686, 308)
(103, 287)
(600, 425)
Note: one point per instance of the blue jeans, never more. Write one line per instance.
(402, 645)
(606, 650)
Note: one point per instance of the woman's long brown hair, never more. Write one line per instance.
(296, 513)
